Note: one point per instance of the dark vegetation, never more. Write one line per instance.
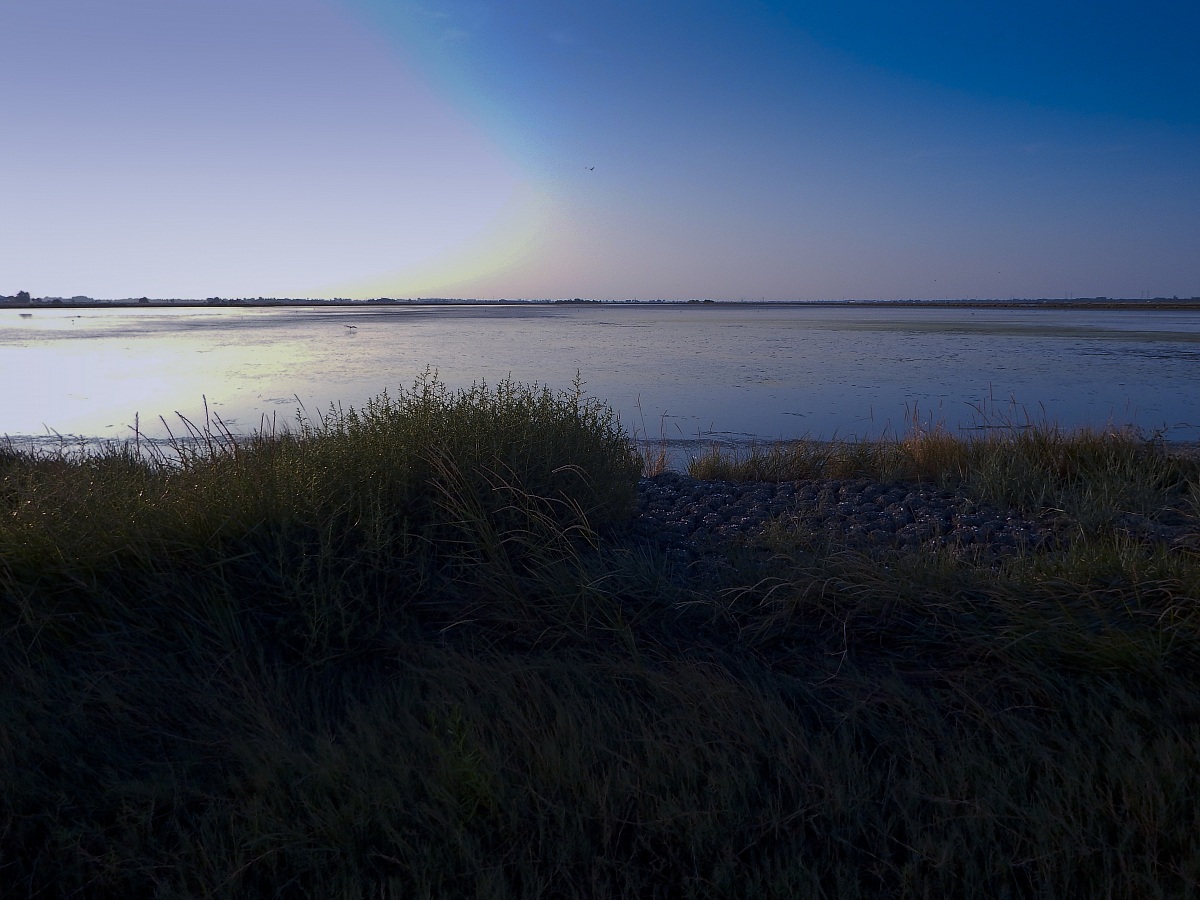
(407, 651)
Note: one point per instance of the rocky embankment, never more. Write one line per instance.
(685, 516)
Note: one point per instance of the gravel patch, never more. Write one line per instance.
(686, 517)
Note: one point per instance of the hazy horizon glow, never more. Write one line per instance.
(672, 150)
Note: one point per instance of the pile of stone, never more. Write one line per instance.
(682, 514)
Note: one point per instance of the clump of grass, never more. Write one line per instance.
(407, 457)
(427, 486)
(793, 461)
(1089, 475)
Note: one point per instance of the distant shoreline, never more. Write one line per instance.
(1158, 303)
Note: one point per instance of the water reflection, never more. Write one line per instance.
(680, 373)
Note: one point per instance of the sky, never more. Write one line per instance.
(649, 149)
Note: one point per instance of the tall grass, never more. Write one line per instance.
(412, 465)
(405, 651)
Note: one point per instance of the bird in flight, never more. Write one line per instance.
(590, 168)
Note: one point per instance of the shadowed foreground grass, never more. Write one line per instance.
(407, 652)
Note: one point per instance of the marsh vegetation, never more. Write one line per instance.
(410, 650)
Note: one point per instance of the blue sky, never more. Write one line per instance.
(621, 149)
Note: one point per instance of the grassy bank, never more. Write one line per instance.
(406, 651)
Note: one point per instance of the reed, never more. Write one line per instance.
(406, 651)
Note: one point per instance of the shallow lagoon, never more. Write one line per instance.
(682, 372)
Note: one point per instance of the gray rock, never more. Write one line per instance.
(682, 514)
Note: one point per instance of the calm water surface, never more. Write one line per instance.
(685, 373)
